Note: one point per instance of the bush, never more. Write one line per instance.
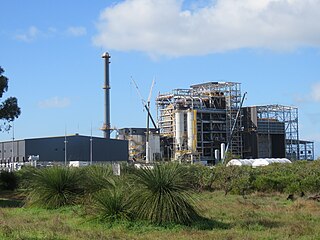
(97, 177)
(112, 204)
(200, 177)
(25, 176)
(162, 195)
(234, 179)
(8, 181)
(55, 187)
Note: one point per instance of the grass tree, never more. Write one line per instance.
(55, 187)
(112, 203)
(162, 195)
(97, 177)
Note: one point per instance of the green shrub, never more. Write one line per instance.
(55, 187)
(25, 176)
(162, 195)
(112, 204)
(8, 180)
(97, 177)
(200, 177)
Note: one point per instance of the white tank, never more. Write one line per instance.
(179, 121)
(217, 154)
(154, 145)
(192, 133)
(223, 150)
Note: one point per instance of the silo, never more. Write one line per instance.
(223, 151)
(179, 122)
(192, 130)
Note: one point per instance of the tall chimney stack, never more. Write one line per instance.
(106, 126)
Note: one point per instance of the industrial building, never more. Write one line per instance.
(137, 143)
(201, 123)
(272, 131)
(64, 149)
(194, 123)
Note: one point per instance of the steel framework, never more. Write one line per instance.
(289, 116)
(215, 105)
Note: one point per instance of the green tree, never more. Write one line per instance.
(9, 109)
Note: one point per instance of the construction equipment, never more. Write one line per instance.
(146, 105)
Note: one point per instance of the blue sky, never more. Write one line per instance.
(51, 52)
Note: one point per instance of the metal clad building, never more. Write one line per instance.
(52, 149)
(137, 142)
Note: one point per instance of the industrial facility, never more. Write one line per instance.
(204, 123)
(137, 138)
(72, 148)
(194, 123)
(207, 121)
(63, 149)
(272, 131)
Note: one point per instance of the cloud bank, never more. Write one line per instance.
(77, 31)
(29, 35)
(33, 33)
(54, 102)
(315, 92)
(166, 27)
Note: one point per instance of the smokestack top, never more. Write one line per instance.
(105, 55)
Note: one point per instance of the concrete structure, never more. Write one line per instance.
(69, 148)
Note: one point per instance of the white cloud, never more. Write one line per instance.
(55, 102)
(315, 92)
(30, 35)
(313, 95)
(33, 33)
(77, 31)
(166, 28)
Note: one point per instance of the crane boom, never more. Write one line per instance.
(150, 93)
(138, 91)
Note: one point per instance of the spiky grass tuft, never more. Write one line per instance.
(97, 177)
(163, 196)
(55, 187)
(111, 204)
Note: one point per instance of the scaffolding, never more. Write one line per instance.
(194, 122)
(271, 115)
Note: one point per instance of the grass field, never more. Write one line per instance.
(230, 217)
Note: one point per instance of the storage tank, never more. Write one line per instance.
(179, 121)
(223, 151)
(191, 130)
(260, 162)
(240, 162)
(217, 154)
(154, 145)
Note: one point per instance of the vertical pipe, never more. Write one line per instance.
(106, 87)
(148, 137)
(91, 156)
(190, 129)
(223, 151)
(65, 147)
(12, 154)
(217, 155)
